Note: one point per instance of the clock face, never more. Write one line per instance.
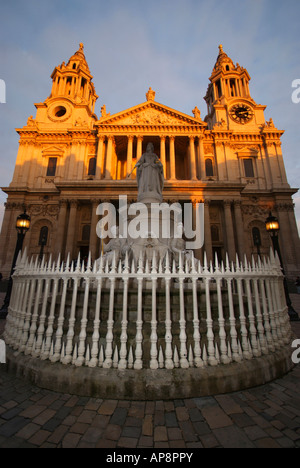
(241, 113)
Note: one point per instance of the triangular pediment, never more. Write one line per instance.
(150, 113)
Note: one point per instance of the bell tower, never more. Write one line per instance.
(228, 98)
(73, 97)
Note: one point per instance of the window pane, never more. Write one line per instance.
(43, 235)
(86, 231)
(52, 163)
(209, 168)
(249, 171)
(256, 236)
(92, 167)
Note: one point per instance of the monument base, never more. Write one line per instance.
(147, 384)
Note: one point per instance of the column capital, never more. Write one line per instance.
(73, 203)
(237, 203)
(63, 202)
(95, 201)
(228, 203)
(101, 136)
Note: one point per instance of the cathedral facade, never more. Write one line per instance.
(69, 161)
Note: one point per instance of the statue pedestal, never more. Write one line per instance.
(155, 228)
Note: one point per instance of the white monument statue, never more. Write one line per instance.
(150, 177)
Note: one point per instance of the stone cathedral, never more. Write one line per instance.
(70, 160)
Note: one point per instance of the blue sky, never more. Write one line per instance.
(170, 45)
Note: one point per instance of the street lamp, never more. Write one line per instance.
(273, 228)
(22, 226)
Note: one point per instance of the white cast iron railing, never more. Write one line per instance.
(94, 315)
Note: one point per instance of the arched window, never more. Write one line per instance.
(209, 168)
(256, 237)
(43, 239)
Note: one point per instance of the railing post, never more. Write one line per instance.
(153, 337)
(123, 338)
(169, 364)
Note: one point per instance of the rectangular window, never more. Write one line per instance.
(52, 164)
(249, 169)
(92, 167)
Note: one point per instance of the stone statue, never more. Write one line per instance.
(150, 177)
(116, 247)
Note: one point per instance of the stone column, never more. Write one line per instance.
(93, 234)
(129, 154)
(193, 163)
(172, 159)
(139, 150)
(197, 252)
(71, 228)
(294, 234)
(100, 157)
(286, 241)
(239, 228)
(207, 231)
(202, 159)
(163, 154)
(61, 227)
(9, 222)
(108, 167)
(229, 230)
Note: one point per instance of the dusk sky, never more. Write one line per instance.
(170, 45)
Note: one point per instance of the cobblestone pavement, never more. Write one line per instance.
(263, 417)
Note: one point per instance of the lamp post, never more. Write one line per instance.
(22, 226)
(273, 228)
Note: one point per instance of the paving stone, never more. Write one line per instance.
(133, 432)
(147, 429)
(112, 432)
(267, 443)
(232, 437)
(174, 433)
(71, 440)
(108, 407)
(216, 417)
(87, 416)
(228, 404)
(127, 442)
(28, 431)
(44, 417)
(119, 416)
(255, 432)
(13, 426)
(160, 434)
(182, 413)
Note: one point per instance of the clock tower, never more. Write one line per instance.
(228, 97)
